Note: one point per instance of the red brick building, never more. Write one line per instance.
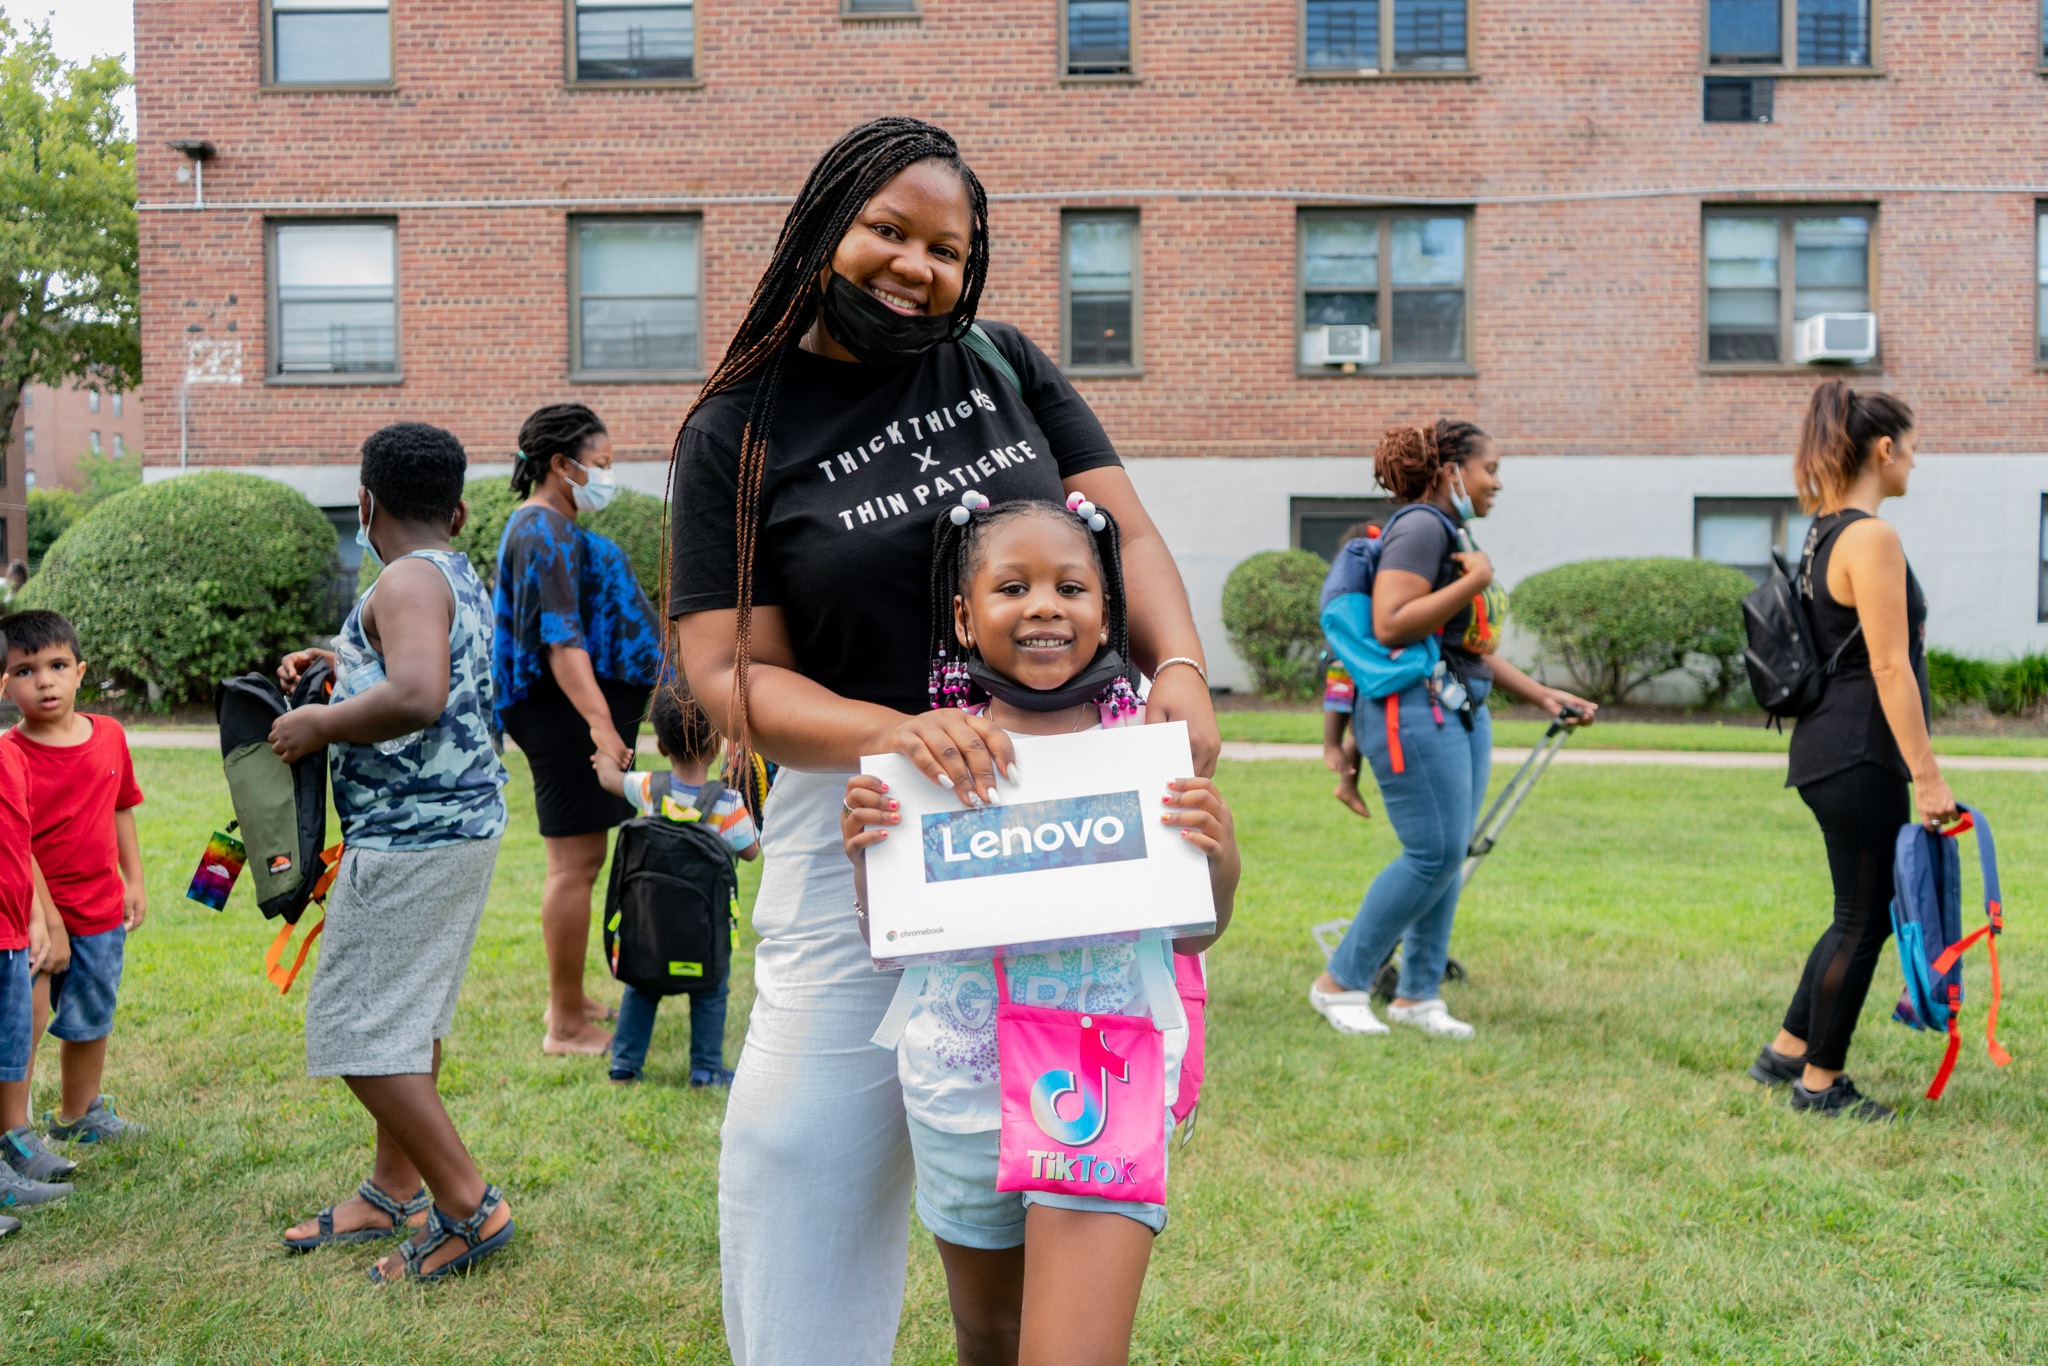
(1527, 206)
(54, 428)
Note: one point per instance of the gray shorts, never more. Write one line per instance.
(400, 924)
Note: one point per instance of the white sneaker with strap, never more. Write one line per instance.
(1431, 1017)
(1349, 1012)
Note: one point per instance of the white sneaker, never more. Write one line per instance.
(1431, 1017)
(1349, 1012)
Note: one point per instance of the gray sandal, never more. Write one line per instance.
(401, 1218)
(440, 1228)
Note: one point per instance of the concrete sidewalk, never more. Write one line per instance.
(1239, 749)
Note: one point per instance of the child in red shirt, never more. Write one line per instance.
(84, 841)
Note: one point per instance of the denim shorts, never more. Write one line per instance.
(17, 1014)
(82, 996)
(957, 1197)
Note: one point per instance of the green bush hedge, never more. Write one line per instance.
(634, 520)
(50, 514)
(2011, 687)
(183, 583)
(1270, 613)
(1616, 624)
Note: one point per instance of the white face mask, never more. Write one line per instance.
(596, 494)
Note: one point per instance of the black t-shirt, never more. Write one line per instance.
(1420, 544)
(861, 460)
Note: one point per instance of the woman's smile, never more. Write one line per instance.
(897, 300)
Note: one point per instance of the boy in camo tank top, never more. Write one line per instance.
(419, 791)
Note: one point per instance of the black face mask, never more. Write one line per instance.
(876, 333)
(1107, 666)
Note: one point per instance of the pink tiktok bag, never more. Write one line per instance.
(1083, 1094)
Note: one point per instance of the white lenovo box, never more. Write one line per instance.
(1074, 853)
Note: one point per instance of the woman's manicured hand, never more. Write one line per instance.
(867, 814)
(1179, 694)
(956, 750)
(1555, 700)
(605, 737)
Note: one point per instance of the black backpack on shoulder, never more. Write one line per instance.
(1786, 672)
(281, 808)
(670, 907)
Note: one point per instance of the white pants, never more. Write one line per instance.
(814, 1172)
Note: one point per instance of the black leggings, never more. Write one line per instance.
(1860, 813)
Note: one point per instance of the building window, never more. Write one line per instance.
(1099, 275)
(1789, 34)
(1743, 532)
(2042, 613)
(1319, 524)
(117, 405)
(1349, 36)
(1096, 38)
(28, 441)
(893, 9)
(2041, 274)
(94, 441)
(334, 308)
(1404, 277)
(634, 291)
(28, 396)
(1749, 312)
(330, 42)
(92, 401)
(631, 40)
(120, 444)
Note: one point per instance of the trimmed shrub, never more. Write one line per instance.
(2025, 685)
(50, 514)
(1616, 624)
(491, 503)
(180, 584)
(1271, 614)
(634, 520)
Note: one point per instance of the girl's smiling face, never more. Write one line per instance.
(1033, 603)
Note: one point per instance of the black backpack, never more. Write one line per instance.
(1785, 669)
(281, 808)
(670, 907)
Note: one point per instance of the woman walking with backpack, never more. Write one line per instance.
(1855, 752)
(1433, 750)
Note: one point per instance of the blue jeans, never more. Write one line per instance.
(636, 1028)
(1433, 805)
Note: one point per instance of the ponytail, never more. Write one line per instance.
(1836, 437)
(1409, 458)
(557, 429)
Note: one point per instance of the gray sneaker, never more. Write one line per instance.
(26, 1153)
(18, 1190)
(98, 1124)
(9, 1224)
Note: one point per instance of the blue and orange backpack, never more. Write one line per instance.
(1927, 919)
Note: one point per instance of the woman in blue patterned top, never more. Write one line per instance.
(577, 653)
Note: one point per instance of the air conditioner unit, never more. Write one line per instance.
(1850, 337)
(1341, 344)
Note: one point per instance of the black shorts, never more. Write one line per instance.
(556, 741)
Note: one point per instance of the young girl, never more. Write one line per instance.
(1031, 596)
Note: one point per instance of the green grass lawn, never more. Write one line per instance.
(1590, 1180)
(1306, 728)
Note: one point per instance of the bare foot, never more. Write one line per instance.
(392, 1268)
(350, 1215)
(588, 1041)
(596, 1012)
(1347, 793)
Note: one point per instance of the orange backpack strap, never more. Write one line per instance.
(1395, 759)
(283, 977)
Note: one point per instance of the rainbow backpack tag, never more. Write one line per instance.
(220, 863)
(1084, 1095)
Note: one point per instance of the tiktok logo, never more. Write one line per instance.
(1099, 1067)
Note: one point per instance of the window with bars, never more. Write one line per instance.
(634, 296)
(1343, 37)
(1096, 37)
(1099, 275)
(1742, 532)
(28, 441)
(878, 8)
(329, 42)
(334, 299)
(1401, 273)
(2041, 283)
(633, 40)
(1751, 304)
(1790, 34)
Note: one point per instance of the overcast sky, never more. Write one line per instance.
(84, 29)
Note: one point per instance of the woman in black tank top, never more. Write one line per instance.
(1854, 755)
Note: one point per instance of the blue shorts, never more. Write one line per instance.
(957, 1197)
(17, 1014)
(82, 996)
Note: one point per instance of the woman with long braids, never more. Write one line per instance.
(851, 405)
(1430, 745)
(578, 650)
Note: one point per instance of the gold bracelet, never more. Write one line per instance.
(1194, 664)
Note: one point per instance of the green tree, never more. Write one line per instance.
(67, 222)
(105, 475)
(50, 514)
